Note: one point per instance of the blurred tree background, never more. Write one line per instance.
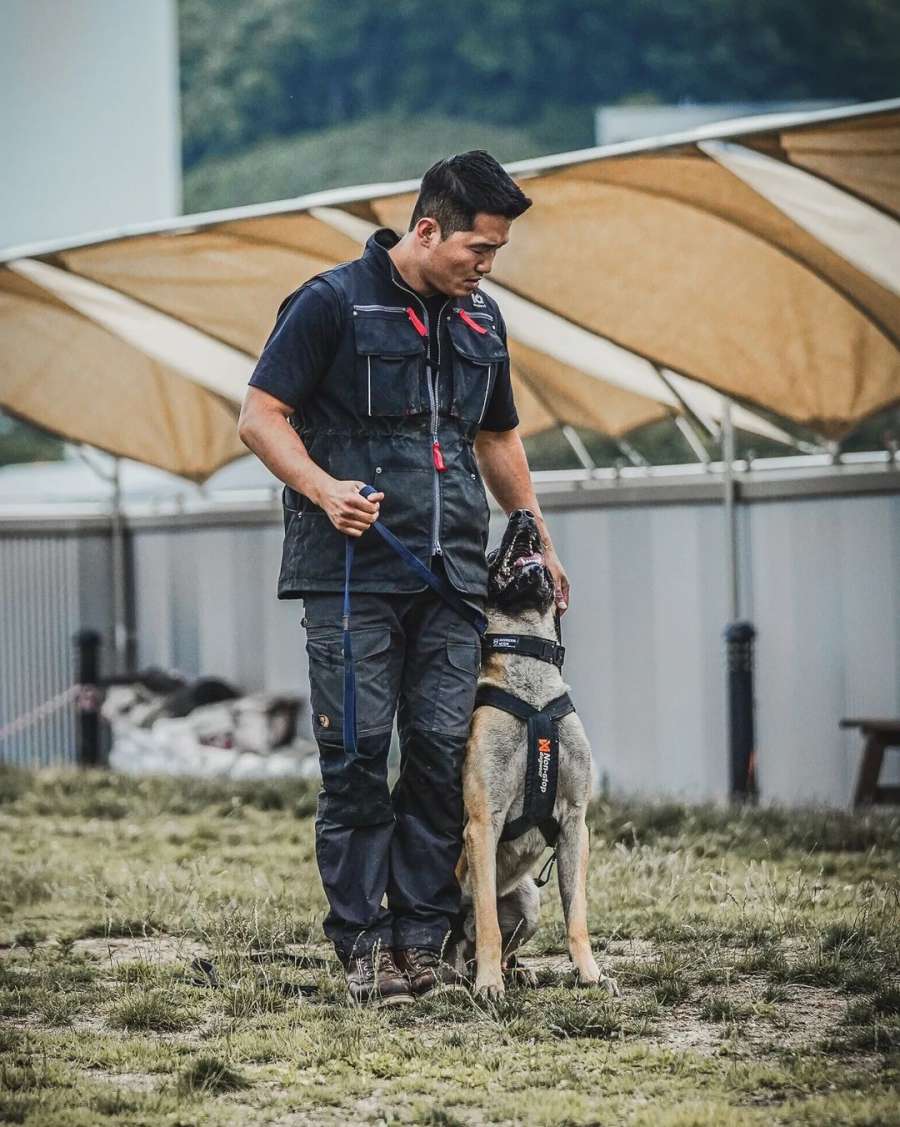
(281, 97)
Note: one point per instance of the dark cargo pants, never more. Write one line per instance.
(387, 859)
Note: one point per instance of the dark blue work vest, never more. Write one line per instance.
(382, 415)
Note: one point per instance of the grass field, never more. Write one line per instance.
(758, 956)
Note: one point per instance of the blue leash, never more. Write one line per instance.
(436, 582)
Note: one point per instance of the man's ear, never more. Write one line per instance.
(428, 232)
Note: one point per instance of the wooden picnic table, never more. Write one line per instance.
(879, 734)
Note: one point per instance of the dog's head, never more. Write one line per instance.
(517, 577)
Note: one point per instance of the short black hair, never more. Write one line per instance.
(456, 188)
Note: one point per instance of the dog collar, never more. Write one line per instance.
(527, 644)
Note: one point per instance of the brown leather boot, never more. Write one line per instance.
(374, 979)
(427, 971)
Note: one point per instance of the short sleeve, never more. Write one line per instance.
(500, 413)
(302, 345)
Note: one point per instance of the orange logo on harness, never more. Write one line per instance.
(543, 745)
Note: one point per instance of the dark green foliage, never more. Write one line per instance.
(23, 442)
(279, 67)
(367, 151)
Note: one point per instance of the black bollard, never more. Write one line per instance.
(739, 638)
(87, 704)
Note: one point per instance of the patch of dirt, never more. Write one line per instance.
(160, 950)
(126, 1081)
(640, 950)
(799, 1023)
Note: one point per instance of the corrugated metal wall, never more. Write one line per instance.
(825, 583)
(820, 580)
(39, 613)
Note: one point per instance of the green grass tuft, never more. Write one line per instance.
(577, 1019)
(154, 1009)
(719, 1007)
(210, 1075)
(886, 1001)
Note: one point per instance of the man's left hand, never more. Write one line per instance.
(560, 580)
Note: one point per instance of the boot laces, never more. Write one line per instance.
(422, 958)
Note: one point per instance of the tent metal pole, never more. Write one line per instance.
(691, 437)
(573, 438)
(117, 531)
(117, 556)
(731, 553)
(634, 456)
(696, 422)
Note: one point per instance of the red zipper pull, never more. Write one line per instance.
(437, 455)
(472, 324)
(416, 323)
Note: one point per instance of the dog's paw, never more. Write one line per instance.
(516, 973)
(602, 982)
(489, 990)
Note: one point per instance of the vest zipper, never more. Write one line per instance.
(380, 308)
(432, 384)
(487, 388)
(436, 452)
(369, 372)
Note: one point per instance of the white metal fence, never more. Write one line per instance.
(819, 555)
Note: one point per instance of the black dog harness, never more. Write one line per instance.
(542, 763)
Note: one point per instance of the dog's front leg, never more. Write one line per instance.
(572, 865)
(481, 861)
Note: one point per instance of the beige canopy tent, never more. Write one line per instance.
(758, 261)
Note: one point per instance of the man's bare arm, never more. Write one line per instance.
(264, 429)
(504, 467)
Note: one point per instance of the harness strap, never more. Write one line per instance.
(436, 582)
(528, 644)
(499, 698)
(541, 766)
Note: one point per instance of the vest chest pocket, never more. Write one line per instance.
(389, 362)
(477, 354)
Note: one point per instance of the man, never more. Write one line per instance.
(393, 370)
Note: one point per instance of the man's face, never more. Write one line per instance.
(455, 265)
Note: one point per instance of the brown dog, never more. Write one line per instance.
(498, 888)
